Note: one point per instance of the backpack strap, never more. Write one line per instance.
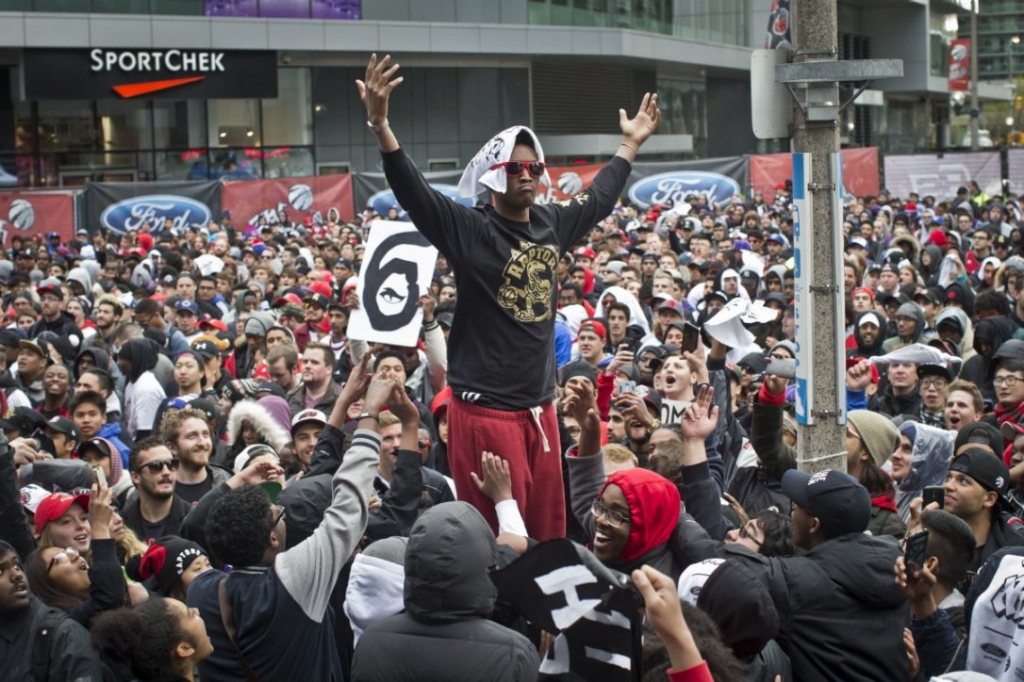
(227, 619)
(42, 643)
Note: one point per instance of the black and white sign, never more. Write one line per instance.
(563, 589)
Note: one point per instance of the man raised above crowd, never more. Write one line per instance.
(502, 339)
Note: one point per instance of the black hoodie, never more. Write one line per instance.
(992, 332)
(862, 350)
(142, 354)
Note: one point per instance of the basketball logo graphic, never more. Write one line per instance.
(300, 197)
(21, 214)
(570, 183)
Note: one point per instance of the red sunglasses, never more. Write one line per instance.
(515, 168)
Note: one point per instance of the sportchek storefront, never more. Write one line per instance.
(137, 115)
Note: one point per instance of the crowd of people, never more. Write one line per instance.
(204, 476)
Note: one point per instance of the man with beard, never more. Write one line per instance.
(155, 511)
(868, 334)
(187, 435)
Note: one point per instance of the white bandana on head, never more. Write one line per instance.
(480, 174)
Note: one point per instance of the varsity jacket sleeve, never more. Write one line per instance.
(13, 524)
(401, 503)
(936, 642)
(586, 478)
(328, 451)
(108, 589)
(310, 570)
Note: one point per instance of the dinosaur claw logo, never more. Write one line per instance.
(529, 282)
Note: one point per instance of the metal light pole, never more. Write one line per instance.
(975, 113)
(1015, 40)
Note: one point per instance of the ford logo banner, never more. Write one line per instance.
(677, 185)
(131, 214)
(385, 199)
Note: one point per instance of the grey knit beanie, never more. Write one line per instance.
(390, 549)
(879, 434)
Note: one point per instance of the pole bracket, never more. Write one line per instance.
(820, 186)
(813, 51)
(825, 414)
(823, 288)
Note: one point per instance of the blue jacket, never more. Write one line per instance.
(112, 432)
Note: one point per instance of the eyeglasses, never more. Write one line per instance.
(66, 556)
(158, 466)
(615, 519)
(279, 510)
(745, 534)
(515, 168)
(937, 384)
(1009, 381)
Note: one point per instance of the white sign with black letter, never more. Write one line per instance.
(396, 271)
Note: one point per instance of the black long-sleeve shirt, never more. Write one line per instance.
(501, 348)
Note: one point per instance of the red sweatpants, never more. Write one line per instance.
(513, 436)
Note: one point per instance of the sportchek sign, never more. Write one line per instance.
(153, 74)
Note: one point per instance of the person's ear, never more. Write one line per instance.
(815, 526)
(991, 499)
(932, 564)
(184, 650)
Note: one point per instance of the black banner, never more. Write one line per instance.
(126, 206)
(98, 73)
(563, 589)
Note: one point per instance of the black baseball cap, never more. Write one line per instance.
(981, 433)
(65, 426)
(23, 419)
(986, 469)
(836, 499)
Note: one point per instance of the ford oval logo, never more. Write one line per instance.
(385, 199)
(677, 185)
(130, 214)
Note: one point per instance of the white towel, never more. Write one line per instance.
(479, 176)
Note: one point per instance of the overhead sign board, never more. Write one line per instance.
(99, 73)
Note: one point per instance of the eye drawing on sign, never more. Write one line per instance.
(391, 282)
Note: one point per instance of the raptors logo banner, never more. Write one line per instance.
(396, 271)
(324, 198)
(27, 214)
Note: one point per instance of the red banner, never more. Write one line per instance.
(960, 64)
(27, 214)
(860, 171)
(567, 182)
(325, 197)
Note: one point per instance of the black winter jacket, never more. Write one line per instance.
(444, 633)
(841, 587)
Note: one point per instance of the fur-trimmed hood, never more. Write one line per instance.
(271, 432)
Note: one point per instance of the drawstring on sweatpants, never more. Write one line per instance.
(535, 412)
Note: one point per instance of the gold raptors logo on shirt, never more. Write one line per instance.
(529, 282)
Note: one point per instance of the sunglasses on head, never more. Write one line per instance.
(514, 168)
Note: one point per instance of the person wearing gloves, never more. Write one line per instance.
(507, 257)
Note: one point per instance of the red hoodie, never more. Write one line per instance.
(653, 508)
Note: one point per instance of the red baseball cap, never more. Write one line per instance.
(56, 505)
(591, 326)
(219, 325)
(585, 252)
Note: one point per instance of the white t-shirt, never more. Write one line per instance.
(141, 401)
